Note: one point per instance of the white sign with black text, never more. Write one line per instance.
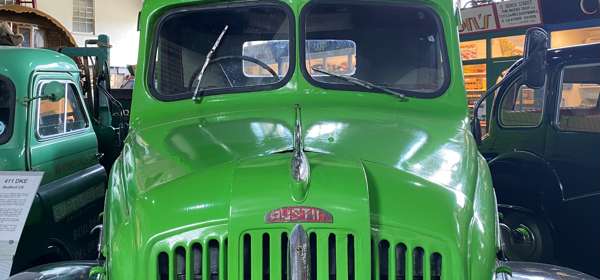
(17, 191)
(518, 13)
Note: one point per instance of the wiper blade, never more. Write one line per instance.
(362, 83)
(206, 62)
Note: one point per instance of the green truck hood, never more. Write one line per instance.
(228, 172)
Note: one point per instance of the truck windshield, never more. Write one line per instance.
(254, 53)
(400, 47)
(7, 107)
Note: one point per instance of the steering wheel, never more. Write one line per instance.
(234, 57)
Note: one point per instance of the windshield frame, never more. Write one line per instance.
(349, 87)
(150, 75)
(12, 92)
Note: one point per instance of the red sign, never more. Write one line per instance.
(299, 214)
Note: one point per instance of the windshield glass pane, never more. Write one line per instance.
(396, 46)
(253, 53)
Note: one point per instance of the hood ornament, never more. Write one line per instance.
(298, 254)
(300, 165)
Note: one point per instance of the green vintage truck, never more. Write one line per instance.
(56, 117)
(300, 140)
(44, 126)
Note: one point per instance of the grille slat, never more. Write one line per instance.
(322, 256)
(275, 255)
(342, 257)
(391, 263)
(256, 256)
(223, 260)
(409, 263)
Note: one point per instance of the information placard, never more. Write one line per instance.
(17, 191)
(518, 13)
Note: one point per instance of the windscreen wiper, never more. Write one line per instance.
(362, 83)
(206, 62)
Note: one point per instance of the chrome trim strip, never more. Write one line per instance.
(536, 271)
(299, 255)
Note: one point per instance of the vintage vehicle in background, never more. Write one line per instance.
(44, 126)
(544, 161)
(300, 140)
(57, 116)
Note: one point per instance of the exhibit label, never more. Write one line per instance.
(17, 191)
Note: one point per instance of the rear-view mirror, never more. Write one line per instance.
(537, 43)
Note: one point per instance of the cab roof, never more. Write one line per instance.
(18, 61)
(582, 52)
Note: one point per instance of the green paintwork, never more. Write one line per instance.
(66, 161)
(404, 172)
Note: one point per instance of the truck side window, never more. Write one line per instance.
(75, 117)
(62, 115)
(579, 110)
(7, 109)
(522, 106)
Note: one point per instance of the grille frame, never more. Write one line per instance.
(413, 241)
(205, 237)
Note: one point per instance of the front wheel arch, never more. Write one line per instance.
(527, 180)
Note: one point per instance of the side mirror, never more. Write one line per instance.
(53, 91)
(537, 43)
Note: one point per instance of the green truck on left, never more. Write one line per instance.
(46, 125)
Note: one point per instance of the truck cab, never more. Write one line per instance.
(544, 160)
(45, 126)
(300, 140)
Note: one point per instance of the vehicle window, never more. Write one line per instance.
(579, 110)
(61, 115)
(273, 53)
(522, 106)
(7, 107)
(392, 45)
(253, 54)
(75, 116)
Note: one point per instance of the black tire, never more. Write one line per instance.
(539, 247)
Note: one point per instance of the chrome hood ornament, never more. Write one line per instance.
(300, 165)
(299, 256)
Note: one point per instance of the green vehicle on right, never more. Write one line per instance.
(543, 153)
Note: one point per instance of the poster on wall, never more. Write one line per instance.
(501, 15)
(518, 13)
(478, 19)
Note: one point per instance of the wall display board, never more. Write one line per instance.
(17, 191)
(501, 15)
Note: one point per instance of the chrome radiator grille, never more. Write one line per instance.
(265, 255)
